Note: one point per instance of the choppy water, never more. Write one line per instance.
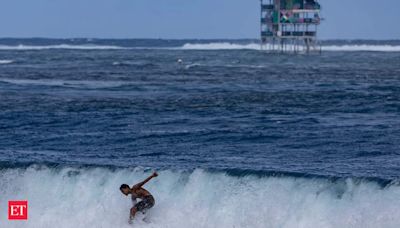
(317, 135)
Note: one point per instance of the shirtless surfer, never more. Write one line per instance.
(147, 200)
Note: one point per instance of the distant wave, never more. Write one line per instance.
(61, 46)
(90, 197)
(6, 61)
(377, 48)
(255, 46)
(220, 46)
(66, 83)
(201, 46)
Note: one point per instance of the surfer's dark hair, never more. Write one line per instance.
(123, 186)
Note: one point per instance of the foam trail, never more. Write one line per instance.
(73, 197)
(61, 46)
(6, 61)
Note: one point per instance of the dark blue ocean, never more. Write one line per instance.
(241, 138)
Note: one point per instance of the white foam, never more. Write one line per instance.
(204, 46)
(61, 46)
(255, 46)
(221, 46)
(6, 61)
(375, 48)
(91, 198)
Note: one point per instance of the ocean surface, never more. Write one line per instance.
(240, 137)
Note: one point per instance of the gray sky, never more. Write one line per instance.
(345, 19)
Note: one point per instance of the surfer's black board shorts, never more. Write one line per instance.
(145, 204)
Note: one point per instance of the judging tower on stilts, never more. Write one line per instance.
(290, 25)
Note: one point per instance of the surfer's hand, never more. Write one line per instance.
(155, 174)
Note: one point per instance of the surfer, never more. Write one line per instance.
(137, 191)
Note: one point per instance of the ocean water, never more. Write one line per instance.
(241, 138)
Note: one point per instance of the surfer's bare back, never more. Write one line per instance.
(137, 191)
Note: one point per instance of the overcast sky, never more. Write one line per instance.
(344, 19)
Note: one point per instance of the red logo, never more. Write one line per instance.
(17, 210)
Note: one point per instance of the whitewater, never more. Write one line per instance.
(196, 46)
(255, 46)
(89, 197)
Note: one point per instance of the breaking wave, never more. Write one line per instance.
(376, 48)
(201, 46)
(89, 197)
(255, 46)
(221, 46)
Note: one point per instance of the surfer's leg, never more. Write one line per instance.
(133, 213)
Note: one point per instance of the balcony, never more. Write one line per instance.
(266, 33)
(267, 7)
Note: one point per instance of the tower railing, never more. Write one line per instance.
(290, 25)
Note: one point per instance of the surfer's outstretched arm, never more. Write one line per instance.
(140, 184)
